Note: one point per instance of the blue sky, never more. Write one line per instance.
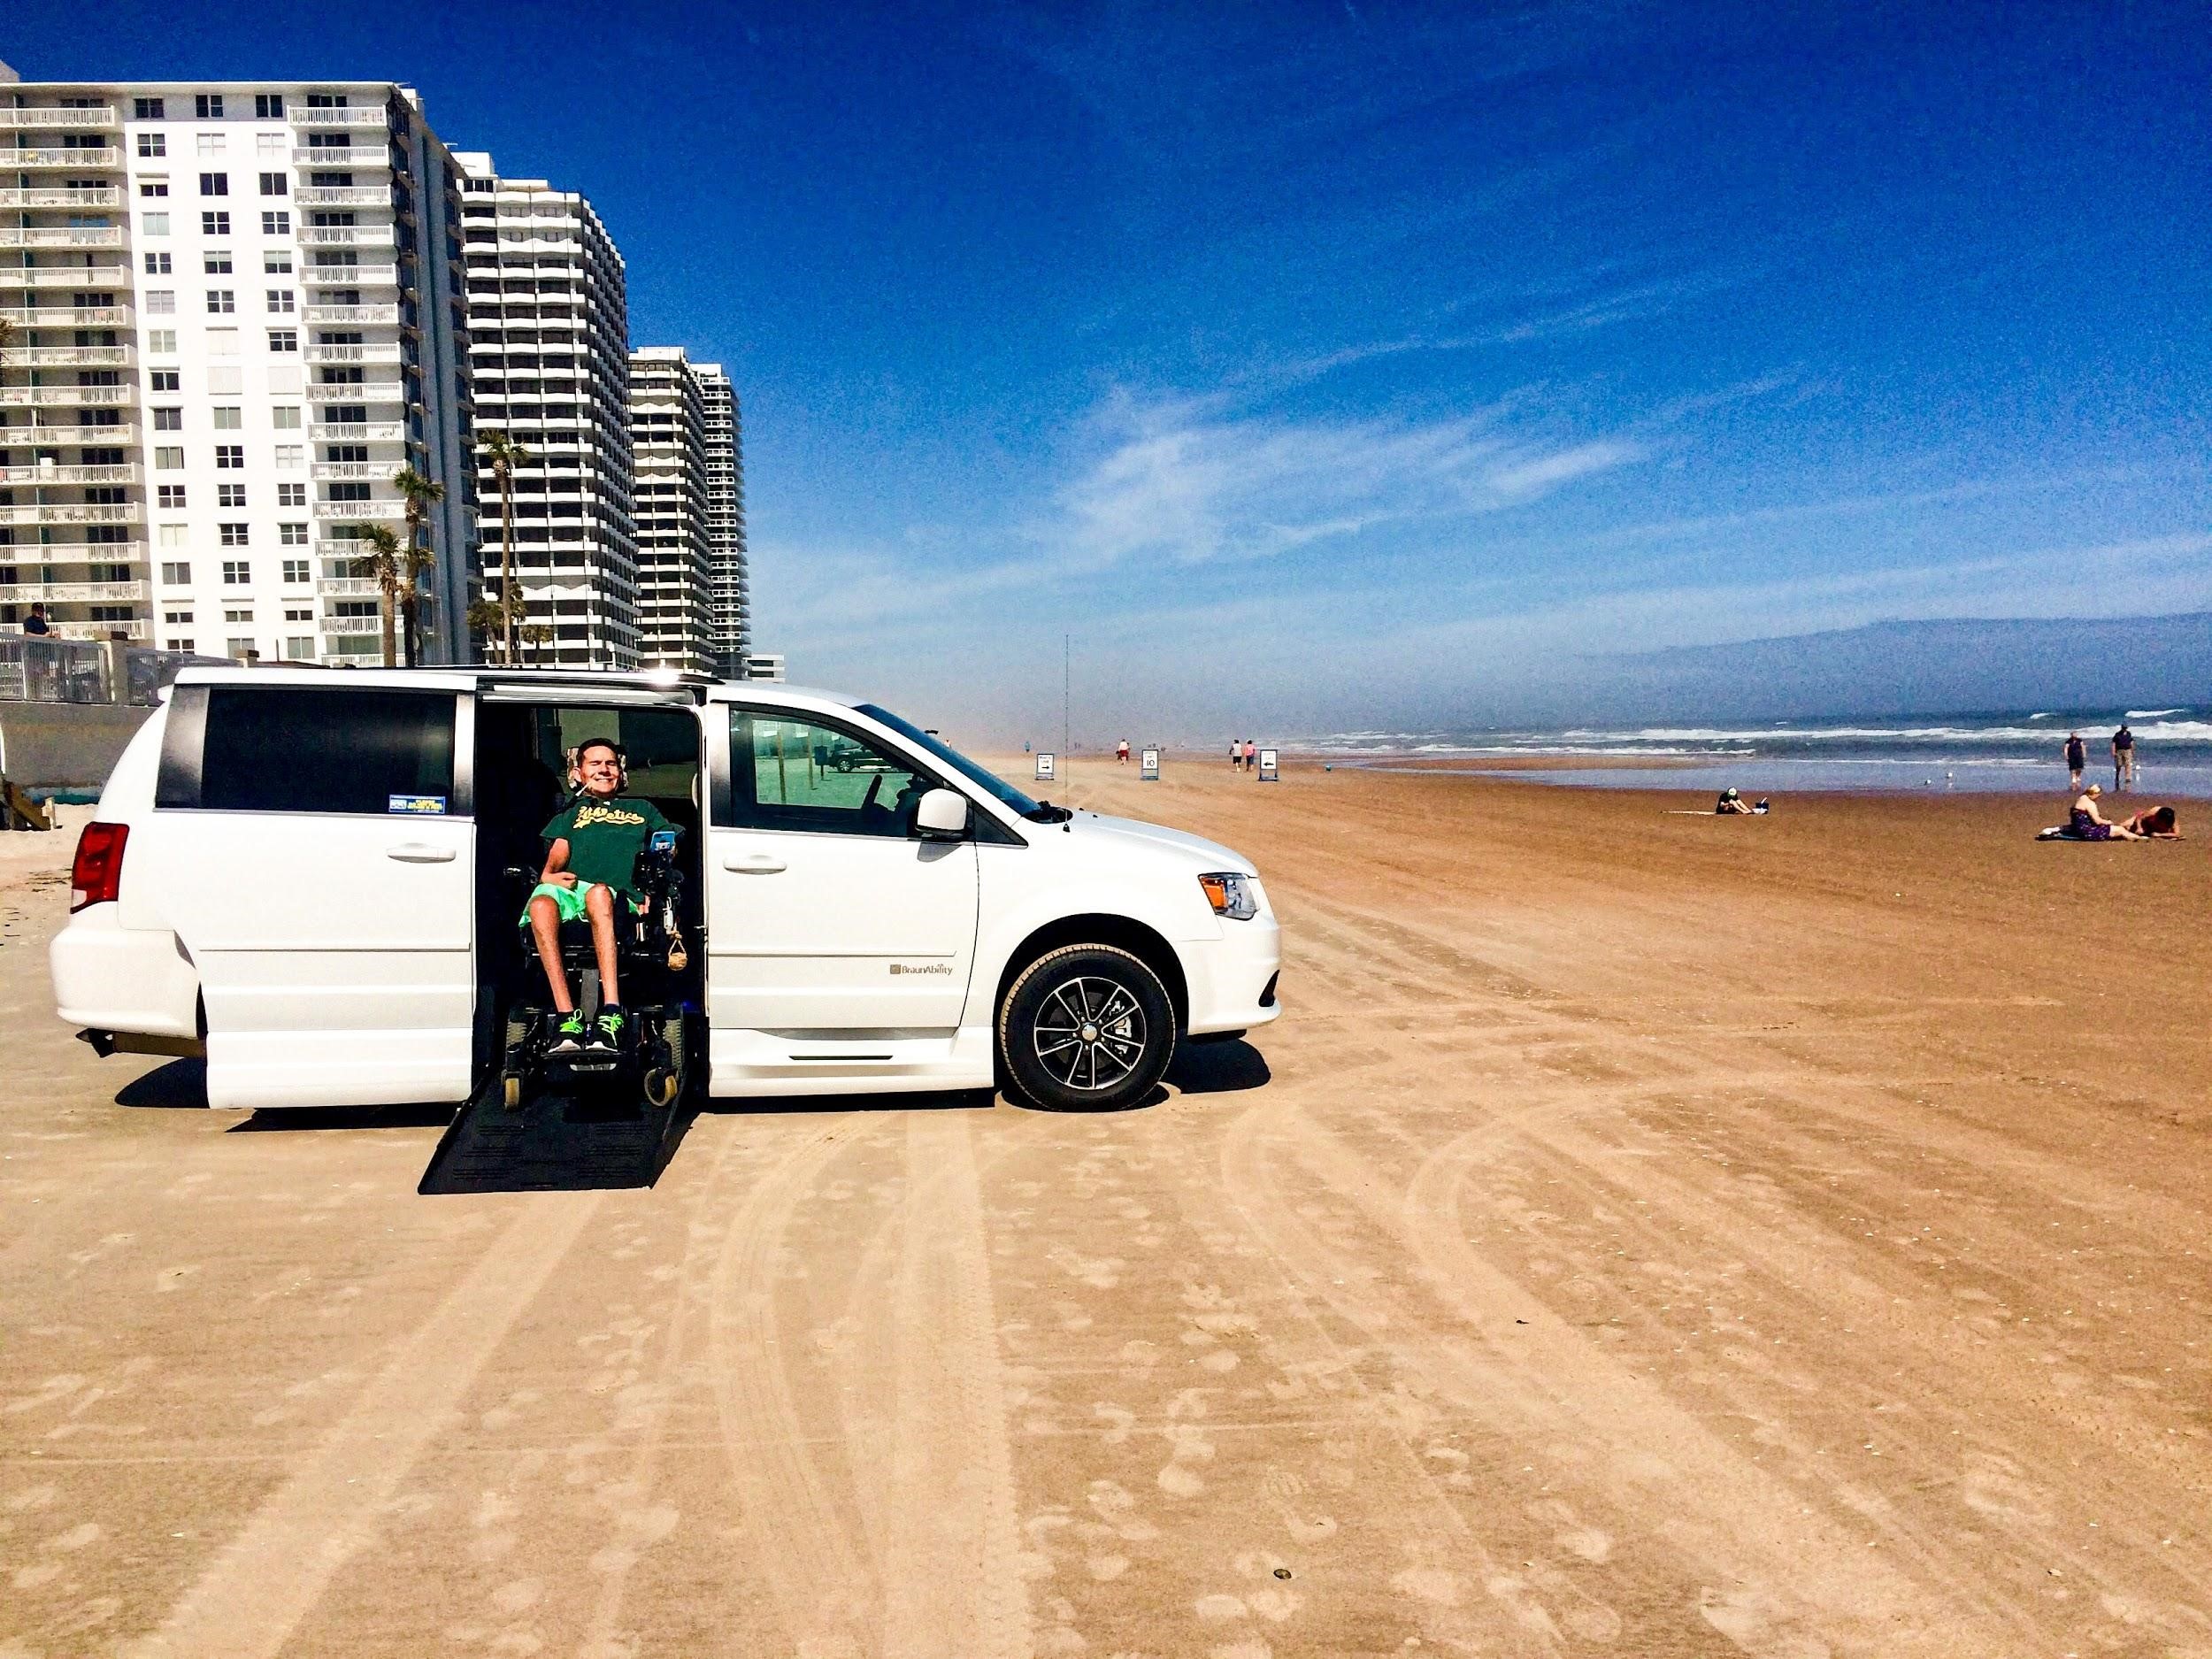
(1348, 365)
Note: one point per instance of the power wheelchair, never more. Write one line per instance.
(652, 959)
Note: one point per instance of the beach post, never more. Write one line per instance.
(1044, 766)
(1269, 771)
(1148, 766)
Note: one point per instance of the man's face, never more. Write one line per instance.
(599, 772)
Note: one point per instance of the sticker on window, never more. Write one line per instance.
(416, 803)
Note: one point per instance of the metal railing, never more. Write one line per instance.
(67, 276)
(361, 432)
(350, 469)
(59, 235)
(59, 316)
(72, 593)
(359, 392)
(125, 432)
(70, 356)
(349, 587)
(348, 276)
(34, 669)
(341, 196)
(354, 315)
(61, 196)
(70, 512)
(344, 115)
(385, 352)
(351, 625)
(105, 156)
(135, 628)
(42, 396)
(31, 118)
(333, 156)
(360, 511)
(125, 473)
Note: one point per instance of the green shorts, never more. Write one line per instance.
(570, 900)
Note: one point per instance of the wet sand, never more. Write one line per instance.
(1643, 1235)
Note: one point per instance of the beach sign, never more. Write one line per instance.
(1044, 766)
(1148, 766)
(1268, 774)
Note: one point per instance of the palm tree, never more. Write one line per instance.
(421, 493)
(503, 455)
(487, 617)
(383, 564)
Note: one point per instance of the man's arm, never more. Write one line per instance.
(556, 871)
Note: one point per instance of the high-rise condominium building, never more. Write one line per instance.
(729, 624)
(668, 431)
(548, 328)
(236, 314)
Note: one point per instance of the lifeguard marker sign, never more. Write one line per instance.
(1268, 774)
(1044, 767)
(1148, 766)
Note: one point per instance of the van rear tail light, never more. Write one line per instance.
(97, 876)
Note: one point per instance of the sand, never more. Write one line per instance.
(1642, 1233)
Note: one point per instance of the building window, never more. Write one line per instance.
(153, 225)
(291, 457)
(177, 618)
(164, 380)
(282, 302)
(176, 573)
(222, 302)
(271, 145)
(295, 575)
(216, 263)
(230, 457)
(299, 647)
(160, 302)
(291, 535)
(170, 419)
(210, 143)
(274, 184)
(184, 645)
(228, 418)
(214, 224)
(285, 418)
(148, 109)
(155, 188)
(169, 497)
(277, 261)
(169, 458)
(174, 534)
(236, 574)
(291, 495)
(284, 339)
(153, 146)
(159, 265)
(240, 649)
(230, 495)
(277, 224)
(162, 341)
(208, 105)
(215, 184)
(268, 106)
(346, 492)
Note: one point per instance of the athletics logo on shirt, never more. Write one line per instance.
(591, 812)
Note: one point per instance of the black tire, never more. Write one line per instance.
(1085, 1028)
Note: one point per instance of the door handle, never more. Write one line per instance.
(420, 852)
(753, 863)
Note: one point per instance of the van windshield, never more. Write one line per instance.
(1004, 793)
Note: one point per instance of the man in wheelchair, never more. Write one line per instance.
(599, 847)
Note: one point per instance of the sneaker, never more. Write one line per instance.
(608, 1033)
(568, 1036)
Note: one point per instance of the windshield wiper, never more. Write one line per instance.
(1045, 813)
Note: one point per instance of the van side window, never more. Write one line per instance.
(296, 750)
(795, 775)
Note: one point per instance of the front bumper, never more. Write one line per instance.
(1227, 977)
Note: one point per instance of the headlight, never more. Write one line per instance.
(1233, 894)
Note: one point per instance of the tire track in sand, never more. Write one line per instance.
(269, 1577)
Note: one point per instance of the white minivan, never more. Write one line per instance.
(313, 877)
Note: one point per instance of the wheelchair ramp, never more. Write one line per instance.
(556, 1143)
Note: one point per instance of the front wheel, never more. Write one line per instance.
(1085, 1028)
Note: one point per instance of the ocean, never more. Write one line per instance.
(2022, 752)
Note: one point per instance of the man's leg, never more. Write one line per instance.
(599, 905)
(545, 928)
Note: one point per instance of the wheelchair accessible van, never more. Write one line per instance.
(651, 1055)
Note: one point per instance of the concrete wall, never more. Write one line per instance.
(63, 745)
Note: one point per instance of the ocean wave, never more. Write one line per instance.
(2152, 714)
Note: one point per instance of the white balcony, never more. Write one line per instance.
(348, 587)
(387, 354)
(138, 630)
(59, 235)
(55, 437)
(352, 624)
(371, 392)
(54, 396)
(62, 316)
(103, 159)
(70, 356)
(345, 115)
(36, 475)
(361, 432)
(355, 315)
(73, 593)
(350, 469)
(361, 511)
(58, 196)
(343, 235)
(100, 275)
(71, 512)
(34, 120)
(350, 276)
(341, 196)
(356, 156)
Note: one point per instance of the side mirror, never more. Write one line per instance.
(942, 814)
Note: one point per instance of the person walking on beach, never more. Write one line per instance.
(1251, 757)
(2076, 758)
(1236, 754)
(2123, 758)
(1121, 751)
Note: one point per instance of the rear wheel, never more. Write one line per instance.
(1085, 1028)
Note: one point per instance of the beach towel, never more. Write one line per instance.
(2066, 833)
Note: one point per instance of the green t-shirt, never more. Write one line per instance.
(606, 837)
